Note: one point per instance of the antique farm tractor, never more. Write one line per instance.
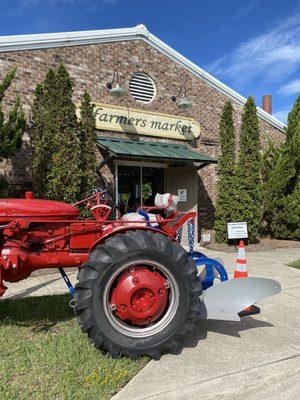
(139, 292)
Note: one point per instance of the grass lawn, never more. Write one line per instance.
(295, 264)
(44, 355)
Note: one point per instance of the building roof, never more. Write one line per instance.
(152, 150)
(139, 32)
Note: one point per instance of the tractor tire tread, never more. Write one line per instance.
(118, 245)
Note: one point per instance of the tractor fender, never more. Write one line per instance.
(123, 229)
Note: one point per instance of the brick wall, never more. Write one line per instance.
(92, 66)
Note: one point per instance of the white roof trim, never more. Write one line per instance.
(48, 40)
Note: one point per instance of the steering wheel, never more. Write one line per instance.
(104, 189)
(101, 211)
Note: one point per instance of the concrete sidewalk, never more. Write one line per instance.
(39, 285)
(257, 358)
(252, 359)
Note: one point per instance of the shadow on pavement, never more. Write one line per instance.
(31, 290)
(230, 328)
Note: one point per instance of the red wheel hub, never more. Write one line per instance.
(140, 295)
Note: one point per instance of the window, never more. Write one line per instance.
(137, 186)
(142, 87)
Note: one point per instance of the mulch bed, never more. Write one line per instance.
(263, 244)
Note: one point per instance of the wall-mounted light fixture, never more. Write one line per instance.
(117, 91)
(184, 103)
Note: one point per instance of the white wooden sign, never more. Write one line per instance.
(237, 230)
(182, 194)
(111, 117)
(206, 237)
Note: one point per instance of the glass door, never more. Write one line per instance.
(129, 188)
(152, 183)
(136, 186)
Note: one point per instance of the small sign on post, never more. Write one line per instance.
(206, 238)
(182, 194)
(237, 230)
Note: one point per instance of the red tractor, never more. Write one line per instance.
(138, 291)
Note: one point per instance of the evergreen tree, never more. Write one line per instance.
(248, 204)
(293, 119)
(88, 146)
(56, 139)
(269, 160)
(43, 132)
(282, 183)
(11, 130)
(226, 171)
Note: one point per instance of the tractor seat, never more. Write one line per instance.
(138, 216)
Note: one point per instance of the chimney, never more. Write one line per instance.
(267, 103)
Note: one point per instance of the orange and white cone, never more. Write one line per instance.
(241, 266)
(241, 272)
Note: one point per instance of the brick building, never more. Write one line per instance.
(149, 142)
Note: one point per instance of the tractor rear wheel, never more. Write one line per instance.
(138, 294)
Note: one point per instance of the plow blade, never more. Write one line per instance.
(225, 300)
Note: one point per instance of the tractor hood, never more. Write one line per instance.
(36, 209)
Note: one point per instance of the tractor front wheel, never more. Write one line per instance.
(138, 294)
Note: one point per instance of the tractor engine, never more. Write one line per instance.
(38, 234)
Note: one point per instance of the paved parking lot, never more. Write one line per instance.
(257, 358)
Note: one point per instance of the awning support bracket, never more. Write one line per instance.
(202, 166)
(103, 162)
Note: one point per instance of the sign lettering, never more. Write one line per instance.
(141, 122)
(237, 230)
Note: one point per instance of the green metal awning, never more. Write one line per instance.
(151, 150)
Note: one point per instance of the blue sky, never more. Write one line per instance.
(251, 45)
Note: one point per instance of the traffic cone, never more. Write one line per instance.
(241, 272)
(241, 267)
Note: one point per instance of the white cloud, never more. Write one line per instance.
(273, 55)
(282, 115)
(290, 88)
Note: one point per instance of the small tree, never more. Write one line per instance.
(43, 132)
(293, 120)
(282, 184)
(11, 130)
(64, 179)
(269, 160)
(56, 139)
(226, 171)
(88, 147)
(64, 161)
(248, 204)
